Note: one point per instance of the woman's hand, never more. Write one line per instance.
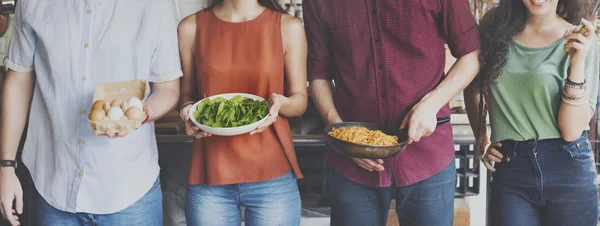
(492, 155)
(580, 44)
(276, 100)
(190, 128)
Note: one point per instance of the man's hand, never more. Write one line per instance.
(421, 121)
(190, 128)
(369, 164)
(10, 189)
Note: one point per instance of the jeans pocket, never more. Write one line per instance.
(580, 150)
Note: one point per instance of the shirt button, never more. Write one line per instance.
(377, 39)
(80, 174)
(83, 78)
(86, 45)
(89, 11)
(383, 95)
(374, 12)
(81, 142)
(82, 111)
(532, 143)
(381, 67)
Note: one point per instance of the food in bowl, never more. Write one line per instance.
(226, 113)
(364, 136)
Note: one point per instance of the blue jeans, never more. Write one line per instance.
(427, 203)
(273, 202)
(546, 182)
(145, 212)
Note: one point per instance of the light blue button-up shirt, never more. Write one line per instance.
(73, 46)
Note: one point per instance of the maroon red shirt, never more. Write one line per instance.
(384, 56)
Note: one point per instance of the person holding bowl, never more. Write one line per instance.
(249, 47)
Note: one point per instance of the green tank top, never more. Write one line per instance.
(524, 100)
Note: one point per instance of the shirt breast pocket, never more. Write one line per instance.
(351, 43)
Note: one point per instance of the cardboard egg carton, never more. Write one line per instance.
(123, 91)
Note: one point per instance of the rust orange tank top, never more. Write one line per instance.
(241, 57)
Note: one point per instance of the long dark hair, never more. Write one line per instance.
(269, 4)
(497, 29)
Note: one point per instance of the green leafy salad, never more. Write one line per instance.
(237, 111)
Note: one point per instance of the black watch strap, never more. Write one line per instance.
(8, 163)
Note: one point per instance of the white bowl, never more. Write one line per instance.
(230, 131)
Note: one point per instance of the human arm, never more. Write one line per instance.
(295, 47)
(321, 67)
(472, 97)
(321, 70)
(164, 67)
(472, 102)
(461, 34)
(17, 93)
(188, 84)
(574, 118)
(293, 105)
(163, 99)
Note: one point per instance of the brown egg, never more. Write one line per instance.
(124, 106)
(116, 103)
(99, 104)
(97, 114)
(134, 113)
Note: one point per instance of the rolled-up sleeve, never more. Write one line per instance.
(23, 44)
(459, 26)
(320, 57)
(165, 65)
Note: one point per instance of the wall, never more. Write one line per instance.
(187, 7)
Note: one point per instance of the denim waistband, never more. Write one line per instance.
(546, 144)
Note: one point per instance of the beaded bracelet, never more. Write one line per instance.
(573, 97)
(581, 102)
(575, 85)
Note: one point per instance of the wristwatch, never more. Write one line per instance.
(8, 163)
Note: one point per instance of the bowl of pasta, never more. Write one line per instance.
(368, 140)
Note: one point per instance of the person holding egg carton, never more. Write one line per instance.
(108, 178)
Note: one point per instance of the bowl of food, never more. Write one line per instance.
(368, 140)
(229, 114)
